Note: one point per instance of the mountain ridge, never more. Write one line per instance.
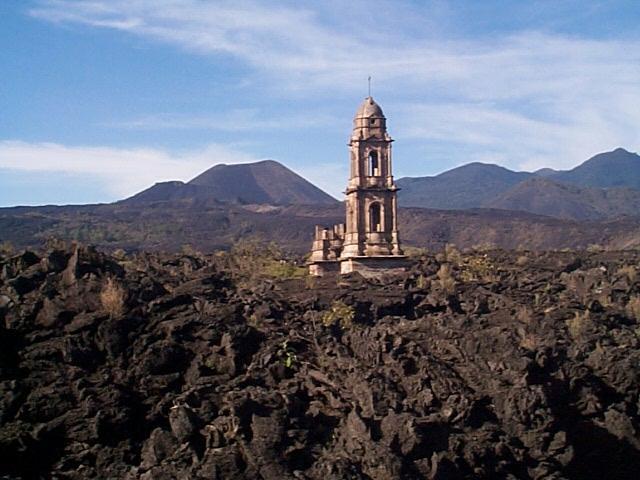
(262, 182)
(607, 183)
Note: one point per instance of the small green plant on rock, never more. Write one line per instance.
(287, 354)
(339, 314)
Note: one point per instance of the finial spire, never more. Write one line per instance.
(369, 80)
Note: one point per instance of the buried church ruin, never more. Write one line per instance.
(368, 242)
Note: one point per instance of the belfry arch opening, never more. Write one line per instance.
(375, 218)
(374, 164)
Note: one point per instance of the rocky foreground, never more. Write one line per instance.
(482, 365)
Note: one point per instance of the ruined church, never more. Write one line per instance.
(368, 242)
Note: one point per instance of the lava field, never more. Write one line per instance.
(494, 364)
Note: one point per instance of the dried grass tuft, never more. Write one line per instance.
(112, 298)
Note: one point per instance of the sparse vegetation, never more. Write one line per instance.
(595, 248)
(529, 341)
(339, 314)
(6, 248)
(629, 271)
(452, 254)
(415, 252)
(633, 308)
(112, 298)
(477, 268)
(446, 280)
(580, 324)
(250, 260)
(287, 354)
(525, 314)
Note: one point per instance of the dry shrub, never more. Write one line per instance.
(112, 298)
(415, 252)
(452, 254)
(119, 254)
(6, 248)
(630, 271)
(633, 308)
(445, 278)
(579, 325)
(478, 267)
(250, 260)
(522, 260)
(484, 247)
(525, 314)
(339, 314)
(530, 341)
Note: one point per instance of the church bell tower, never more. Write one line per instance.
(368, 242)
(371, 195)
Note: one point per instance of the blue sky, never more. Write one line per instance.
(100, 99)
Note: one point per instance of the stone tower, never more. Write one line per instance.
(371, 226)
(368, 242)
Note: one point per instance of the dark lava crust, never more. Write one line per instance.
(497, 365)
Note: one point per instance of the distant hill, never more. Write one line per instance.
(169, 225)
(469, 186)
(543, 196)
(264, 182)
(618, 168)
(173, 190)
(605, 186)
(228, 203)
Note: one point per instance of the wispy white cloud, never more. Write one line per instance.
(123, 171)
(529, 98)
(486, 133)
(231, 121)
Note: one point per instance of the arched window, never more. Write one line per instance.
(374, 164)
(375, 218)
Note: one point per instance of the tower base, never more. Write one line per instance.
(320, 268)
(371, 267)
(368, 267)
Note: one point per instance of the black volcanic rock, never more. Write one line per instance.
(265, 182)
(516, 366)
(468, 186)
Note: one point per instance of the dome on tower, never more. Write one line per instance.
(369, 108)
